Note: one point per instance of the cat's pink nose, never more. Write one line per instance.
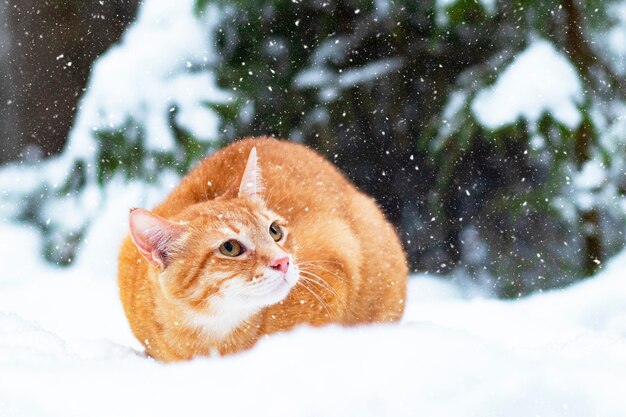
(281, 264)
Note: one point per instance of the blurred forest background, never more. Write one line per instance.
(393, 92)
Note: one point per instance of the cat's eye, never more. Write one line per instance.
(231, 248)
(276, 232)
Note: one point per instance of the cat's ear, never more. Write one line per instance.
(154, 236)
(251, 185)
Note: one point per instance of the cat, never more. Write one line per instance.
(261, 236)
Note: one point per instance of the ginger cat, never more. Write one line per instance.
(246, 246)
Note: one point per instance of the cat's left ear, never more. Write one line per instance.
(155, 237)
(251, 185)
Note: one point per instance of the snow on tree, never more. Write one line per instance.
(491, 132)
(144, 117)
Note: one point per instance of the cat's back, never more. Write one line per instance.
(296, 178)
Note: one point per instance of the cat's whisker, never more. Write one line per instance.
(310, 265)
(324, 261)
(324, 284)
(223, 222)
(310, 276)
(269, 192)
(322, 302)
(322, 268)
(275, 205)
(321, 287)
(347, 308)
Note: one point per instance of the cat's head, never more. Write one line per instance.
(223, 256)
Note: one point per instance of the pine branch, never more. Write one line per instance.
(582, 54)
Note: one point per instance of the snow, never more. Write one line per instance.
(330, 82)
(160, 68)
(616, 37)
(592, 175)
(160, 63)
(539, 80)
(592, 188)
(66, 349)
(111, 223)
(453, 118)
(369, 72)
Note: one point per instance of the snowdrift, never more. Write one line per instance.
(66, 350)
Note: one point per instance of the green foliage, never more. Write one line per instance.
(384, 89)
(440, 178)
(121, 152)
(465, 12)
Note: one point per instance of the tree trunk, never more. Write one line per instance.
(46, 52)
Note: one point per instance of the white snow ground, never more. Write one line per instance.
(66, 350)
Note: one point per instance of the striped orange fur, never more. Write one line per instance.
(247, 246)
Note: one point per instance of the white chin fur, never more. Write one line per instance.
(239, 301)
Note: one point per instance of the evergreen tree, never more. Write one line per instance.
(385, 89)
(391, 92)
(137, 123)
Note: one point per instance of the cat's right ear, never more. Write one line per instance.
(154, 236)
(251, 185)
